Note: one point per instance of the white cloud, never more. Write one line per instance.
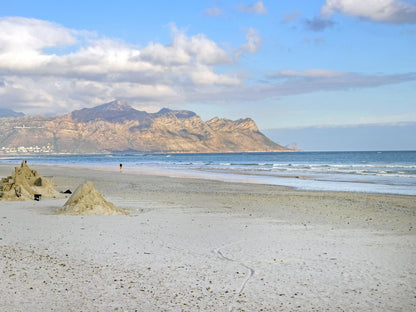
(61, 95)
(184, 50)
(388, 11)
(253, 42)
(17, 33)
(22, 41)
(207, 51)
(94, 69)
(158, 54)
(204, 76)
(99, 56)
(255, 8)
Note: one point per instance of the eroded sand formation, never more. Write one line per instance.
(24, 184)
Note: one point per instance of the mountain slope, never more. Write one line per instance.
(116, 111)
(118, 127)
(5, 113)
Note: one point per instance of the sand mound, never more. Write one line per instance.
(24, 183)
(87, 201)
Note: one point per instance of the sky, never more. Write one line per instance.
(316, 64)
(364, 137)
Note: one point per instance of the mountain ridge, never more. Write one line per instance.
(6, 113)
(118, 127)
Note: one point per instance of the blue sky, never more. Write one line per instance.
(371, 137)
(287, 64)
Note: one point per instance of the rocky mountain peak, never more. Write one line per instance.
(228, 125)
(247, 123)
(116, 105)
(115, 111)
(180, 114)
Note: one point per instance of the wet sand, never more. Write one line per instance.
(203, 245)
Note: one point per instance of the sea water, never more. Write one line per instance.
(388, 172)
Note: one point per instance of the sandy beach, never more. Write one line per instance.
(204, 245)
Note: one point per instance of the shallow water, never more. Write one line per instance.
(389, 172)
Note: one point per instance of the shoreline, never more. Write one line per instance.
(151, 153)
(384, 173)
(300, 183)
(192, 244)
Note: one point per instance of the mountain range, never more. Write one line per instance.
(118, 127)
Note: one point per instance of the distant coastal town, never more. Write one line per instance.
(27, 149)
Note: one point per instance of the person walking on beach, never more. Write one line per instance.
(121, 167)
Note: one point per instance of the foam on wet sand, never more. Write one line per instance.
(192, 245)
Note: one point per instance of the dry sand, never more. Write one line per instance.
(195, 245)
(24, 183)
(87, 201)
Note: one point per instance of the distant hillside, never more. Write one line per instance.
(118, 127)
(4, 113)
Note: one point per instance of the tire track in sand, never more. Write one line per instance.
(251, 272)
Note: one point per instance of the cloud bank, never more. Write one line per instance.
(290, 82)
(386, 11)
(47, 68)
(43, 63)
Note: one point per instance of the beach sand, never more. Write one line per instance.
(198, 245)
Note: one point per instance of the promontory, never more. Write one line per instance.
(118, 127)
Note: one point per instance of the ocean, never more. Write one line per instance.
(387, 172)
